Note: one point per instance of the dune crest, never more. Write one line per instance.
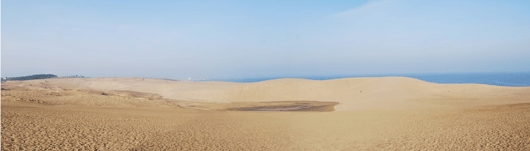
(350, 93)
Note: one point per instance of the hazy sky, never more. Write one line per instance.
(222, 39)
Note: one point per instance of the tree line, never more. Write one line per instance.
(38, 76)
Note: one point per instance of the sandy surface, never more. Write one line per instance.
(392, 113)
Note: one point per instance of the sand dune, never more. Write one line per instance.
(391, 113)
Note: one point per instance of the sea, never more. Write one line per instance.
(521, 79)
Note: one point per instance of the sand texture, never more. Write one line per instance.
(390, 113)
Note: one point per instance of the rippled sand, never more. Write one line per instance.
(345, 114)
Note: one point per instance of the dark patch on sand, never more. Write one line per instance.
(308, 106)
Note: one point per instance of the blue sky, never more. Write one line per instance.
(242, 39)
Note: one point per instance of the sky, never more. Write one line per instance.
(244, 39)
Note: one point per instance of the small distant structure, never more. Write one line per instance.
(75, 76)
(189, 79)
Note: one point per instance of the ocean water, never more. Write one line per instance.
(498, 79)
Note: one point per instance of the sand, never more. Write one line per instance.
(391, 113)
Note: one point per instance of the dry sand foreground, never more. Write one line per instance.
(391, 113)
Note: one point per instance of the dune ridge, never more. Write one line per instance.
(351, 93)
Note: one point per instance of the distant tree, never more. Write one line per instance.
(30, 77)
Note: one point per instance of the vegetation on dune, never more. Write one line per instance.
(38, 76)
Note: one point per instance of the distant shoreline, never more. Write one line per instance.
(521, 79)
